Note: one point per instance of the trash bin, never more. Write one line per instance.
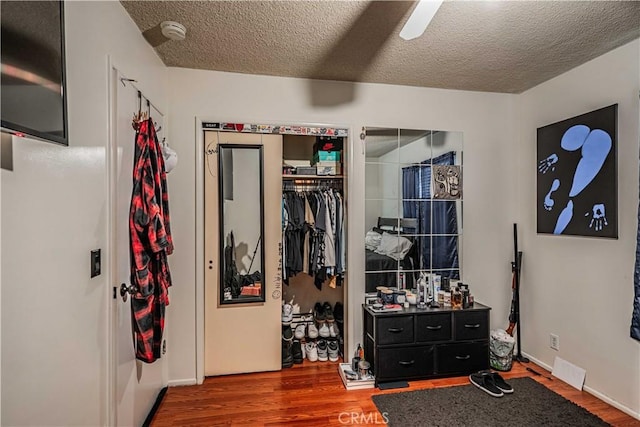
(501, 346)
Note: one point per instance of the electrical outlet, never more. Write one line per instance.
(554, 342)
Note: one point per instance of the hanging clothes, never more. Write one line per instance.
(313, 236)
(150, 244)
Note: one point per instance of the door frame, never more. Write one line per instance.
(110, 262)
(199, 237)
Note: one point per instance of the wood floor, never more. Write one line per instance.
(312, 394)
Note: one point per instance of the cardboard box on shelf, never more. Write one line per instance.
(328, 168)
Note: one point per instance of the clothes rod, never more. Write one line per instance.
(124, 82)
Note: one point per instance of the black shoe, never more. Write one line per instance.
(296, 352)
(287, 358)
(318, 313)
(501, 383)
(338, 312)
(328, 312)
(287, 333)
(484, 381)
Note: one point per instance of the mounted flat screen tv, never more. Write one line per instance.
(33, 70)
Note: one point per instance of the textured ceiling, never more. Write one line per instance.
(494, 46)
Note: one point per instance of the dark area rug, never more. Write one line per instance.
(531, 404)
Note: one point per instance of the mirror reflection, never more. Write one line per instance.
(241, 223)
(413, 202)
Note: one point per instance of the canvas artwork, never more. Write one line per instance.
(577, 192)
(447, 182)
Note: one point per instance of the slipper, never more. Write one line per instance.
(485, 383)
(501, 383)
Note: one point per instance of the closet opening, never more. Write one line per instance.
(294, 308)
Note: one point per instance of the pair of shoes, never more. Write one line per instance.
(323, 313)
(328, 330)
(287, 313)
(301, 328)
(491, 382)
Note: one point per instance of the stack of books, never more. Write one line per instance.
(351, 381)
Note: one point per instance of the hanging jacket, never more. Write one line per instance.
(150, 243)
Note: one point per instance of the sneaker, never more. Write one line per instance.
(311, 351)
(325, 331)
(287, 358)
(323, 355)
(328, 312)
(318, 313)
(485, 383)
(296, 352)
(338, 312)
(300, 331)
(501, 383)
(287, 314)
(312, 331)
(287, 333)
(333, 330)
(303, 348)
(333, 350)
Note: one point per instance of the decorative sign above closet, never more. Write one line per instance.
(276, 129)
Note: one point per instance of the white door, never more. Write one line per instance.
(243, 338)
(137, 383)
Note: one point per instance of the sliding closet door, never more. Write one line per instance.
(242, 332)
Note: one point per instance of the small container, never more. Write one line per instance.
(363, 368)
(355, 363)
(456, 299)
(387, 296)
(399, 296)
(412, 298)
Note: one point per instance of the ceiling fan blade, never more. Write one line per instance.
(420, 18)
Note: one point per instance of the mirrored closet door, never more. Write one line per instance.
(413, 206)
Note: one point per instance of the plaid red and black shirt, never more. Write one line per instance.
(150, 243)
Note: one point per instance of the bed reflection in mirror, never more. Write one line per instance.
(241, 223)
(413, 206)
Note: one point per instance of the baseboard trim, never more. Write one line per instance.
(154, 409)
(592, 391)
(177, 383)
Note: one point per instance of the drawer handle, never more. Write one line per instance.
(409, 363)
(396, 330)
(467, 357)
(434, 328)
(477, 325)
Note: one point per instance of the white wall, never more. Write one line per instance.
(582, 288)
(487, 121)
(54, 211)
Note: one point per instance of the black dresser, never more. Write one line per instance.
(429, 343)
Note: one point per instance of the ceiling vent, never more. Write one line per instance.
(173, 30)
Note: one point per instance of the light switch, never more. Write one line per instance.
(95, 262)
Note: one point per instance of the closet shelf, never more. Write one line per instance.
(287, 176)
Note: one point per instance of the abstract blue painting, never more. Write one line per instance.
(577, 186)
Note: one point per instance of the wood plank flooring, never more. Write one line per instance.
(312, 394)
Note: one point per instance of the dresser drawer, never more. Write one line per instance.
(462, 358)
(471, 325)
(433, 327)
(406, 362)
(394, 330)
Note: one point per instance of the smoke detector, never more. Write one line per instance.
(173, 30)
